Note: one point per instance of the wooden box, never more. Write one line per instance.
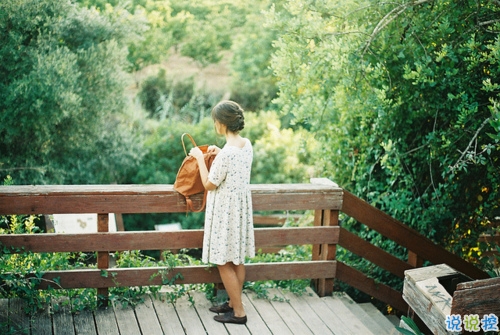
(429, 292)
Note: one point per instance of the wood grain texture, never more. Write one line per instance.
(372, 253)
(201, 304)
(295, 315)
(288, 314)
(106, 321)
(62, 318)
(154, 240)
(480, 297)
(41, 322)
(67, 199)
(169, 321)
(379, 291)
(126, 320)
(95, 278)
(405, 236)
(84, 323)
(427, 297)
(147, 318)
(269, 315)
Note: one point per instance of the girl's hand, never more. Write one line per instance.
(213, 149)
(196, 153)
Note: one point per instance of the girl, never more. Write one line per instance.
(228, 236)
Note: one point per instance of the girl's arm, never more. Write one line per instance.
(196, 153)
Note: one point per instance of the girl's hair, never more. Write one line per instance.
(230, 114)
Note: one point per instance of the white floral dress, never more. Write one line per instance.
(229, 235)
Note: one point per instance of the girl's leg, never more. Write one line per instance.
(231, 278)
(240, 273)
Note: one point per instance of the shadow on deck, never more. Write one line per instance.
(286, 314)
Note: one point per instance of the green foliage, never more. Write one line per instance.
(132, 296)
(180, 101)
(152, 91)
(204, 30)
(164, 30)
(63, 80)
(291, 253)
(21, 272)
(413, 326)
(211, 31)
(280, 155)
(155, 28)
(253, 84)
(404, 105)
(202, 44)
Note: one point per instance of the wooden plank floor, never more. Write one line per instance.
(286, 314)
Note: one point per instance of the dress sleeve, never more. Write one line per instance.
(218, 171)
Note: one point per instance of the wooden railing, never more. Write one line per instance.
(322, 196)
(419, 248)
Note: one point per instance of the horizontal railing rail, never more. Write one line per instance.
(154, 240)
(101, 199)
(122, 241)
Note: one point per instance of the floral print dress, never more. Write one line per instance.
(229, 235)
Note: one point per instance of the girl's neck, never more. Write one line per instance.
(235, 140)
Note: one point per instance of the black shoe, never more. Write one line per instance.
(224, 308)
(230, 318)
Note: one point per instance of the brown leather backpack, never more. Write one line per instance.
(188, 181)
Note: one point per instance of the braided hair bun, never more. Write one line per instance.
(230, 114)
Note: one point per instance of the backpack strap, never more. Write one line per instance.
(189, 203)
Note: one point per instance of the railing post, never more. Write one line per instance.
(414, 260)
(325, 217)
(103, 257)
(323, 252)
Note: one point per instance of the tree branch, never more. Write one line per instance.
(389, 17)
(471, 142)
(485, 23)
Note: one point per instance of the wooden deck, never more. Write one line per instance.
(290, 314)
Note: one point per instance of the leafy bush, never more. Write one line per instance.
(165, 98)
(407, 115)
(252, 82)
(280, 155)
(63, 81)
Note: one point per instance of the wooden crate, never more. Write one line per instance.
(428, 291)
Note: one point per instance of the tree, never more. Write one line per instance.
(62, 96)
(253, 84)
(164, 30)
(212, 30)
(404, 98)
